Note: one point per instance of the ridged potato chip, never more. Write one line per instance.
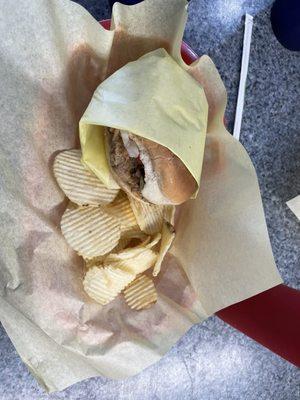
(131, 252)
(130, 239)
(121, 209)
(151, 243)
(135, 234)
(169, 214)
(80, 185)
(123, 243)
(135, 260)
(148, 216)
(96, 261)
(104, 284)
(167, 237)
(90, 231)
(141, 293)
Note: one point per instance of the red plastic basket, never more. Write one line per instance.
(272, 318)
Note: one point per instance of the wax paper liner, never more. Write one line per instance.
(53, 57)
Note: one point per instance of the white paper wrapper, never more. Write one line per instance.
(53, 57)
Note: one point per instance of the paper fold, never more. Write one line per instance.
(154, 98)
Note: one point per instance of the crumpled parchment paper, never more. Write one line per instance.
(53, 57)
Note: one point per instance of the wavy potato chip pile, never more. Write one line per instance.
(119, 237)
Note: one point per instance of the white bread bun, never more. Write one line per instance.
(148, 170)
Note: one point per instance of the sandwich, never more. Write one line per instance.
(147, 170)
